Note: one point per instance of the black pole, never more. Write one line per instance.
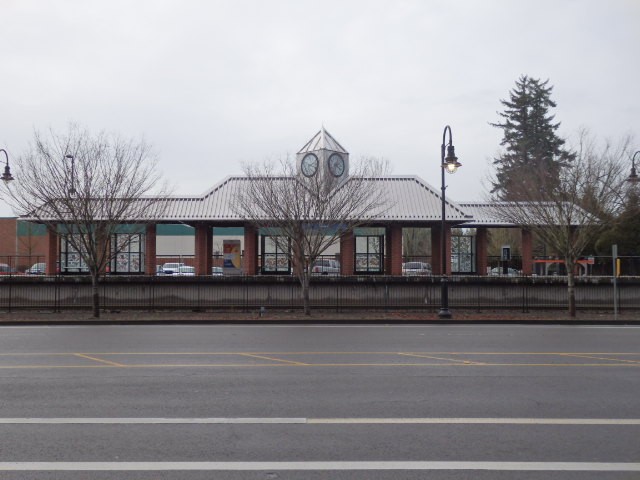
(444, 287)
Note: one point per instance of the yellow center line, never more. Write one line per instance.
(464, 362)
(107, 362)
(262, 357)
(558, 365)
(601, 358)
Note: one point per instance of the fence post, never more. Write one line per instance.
(614, 252)
(56, 294)
(151, 293)
(10, 292)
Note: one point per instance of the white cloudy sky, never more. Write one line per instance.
(212, 84)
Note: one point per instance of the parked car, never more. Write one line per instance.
(416, 268)
(499, 272)
(325, 267)
(36, 269)
(171, 268)
(185, 271)
(217, 271)
(7, 269)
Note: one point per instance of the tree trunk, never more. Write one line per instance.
(95, 294)
(571, 288)
(305, 294)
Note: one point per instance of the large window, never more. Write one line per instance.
(71, 259)
(275, 255)
(369, 250)
(129, 253)
(463, 251)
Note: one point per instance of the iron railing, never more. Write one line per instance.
(328, 292)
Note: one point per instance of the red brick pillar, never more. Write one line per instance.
(436, 250)
(482, 247)
(347, 253)
(393, 262)
(527, 252)
(448, 249)
(250, 258)
(104, 245)
(150, 249)
(51, 257)
(203, 249)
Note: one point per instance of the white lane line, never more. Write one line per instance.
(321, 466)
(317, 421)
(150, 421)
(478, 421)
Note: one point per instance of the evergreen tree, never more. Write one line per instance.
(534, 154)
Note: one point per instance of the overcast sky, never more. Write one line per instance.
(213, 84)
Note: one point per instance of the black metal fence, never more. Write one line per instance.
(337, 293)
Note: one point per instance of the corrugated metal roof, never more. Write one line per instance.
(409, 198)
(503, 214)
(484, 215)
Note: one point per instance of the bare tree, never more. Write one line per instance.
(84, 187)
(309, 214)
(569, 216)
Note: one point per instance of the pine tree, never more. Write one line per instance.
(534, 154)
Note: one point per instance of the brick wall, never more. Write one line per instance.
(8, 231)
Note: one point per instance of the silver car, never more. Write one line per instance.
(171, 268)
(185, 271)
(325, 267)
(412, 269)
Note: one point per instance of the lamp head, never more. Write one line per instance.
(633, 177)
(6, 176)
(450, 163)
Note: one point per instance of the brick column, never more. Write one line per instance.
(203, 248)
(51, 257)
(448, 249)
(436, 250)
(104, 244)
(482, 247)
(347, 253)
(393, 261)
(250, 258)
(527, 252)
(150, 249)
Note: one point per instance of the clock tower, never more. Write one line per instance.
(324, 156)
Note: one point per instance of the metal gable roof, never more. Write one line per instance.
(409, 199)
(497, 214)
(484, 215)
(412, 199)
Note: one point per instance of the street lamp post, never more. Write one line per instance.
(6, 176)
(450, 164)
(633, 177)
(72, 190)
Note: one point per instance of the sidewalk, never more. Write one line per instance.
(41, 317)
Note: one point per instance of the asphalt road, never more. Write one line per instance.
(311, 402)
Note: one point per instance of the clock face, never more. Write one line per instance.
(309, 165)
(336, 165)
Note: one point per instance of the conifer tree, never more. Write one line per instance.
(533, 152)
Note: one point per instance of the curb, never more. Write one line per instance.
(258, 322)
